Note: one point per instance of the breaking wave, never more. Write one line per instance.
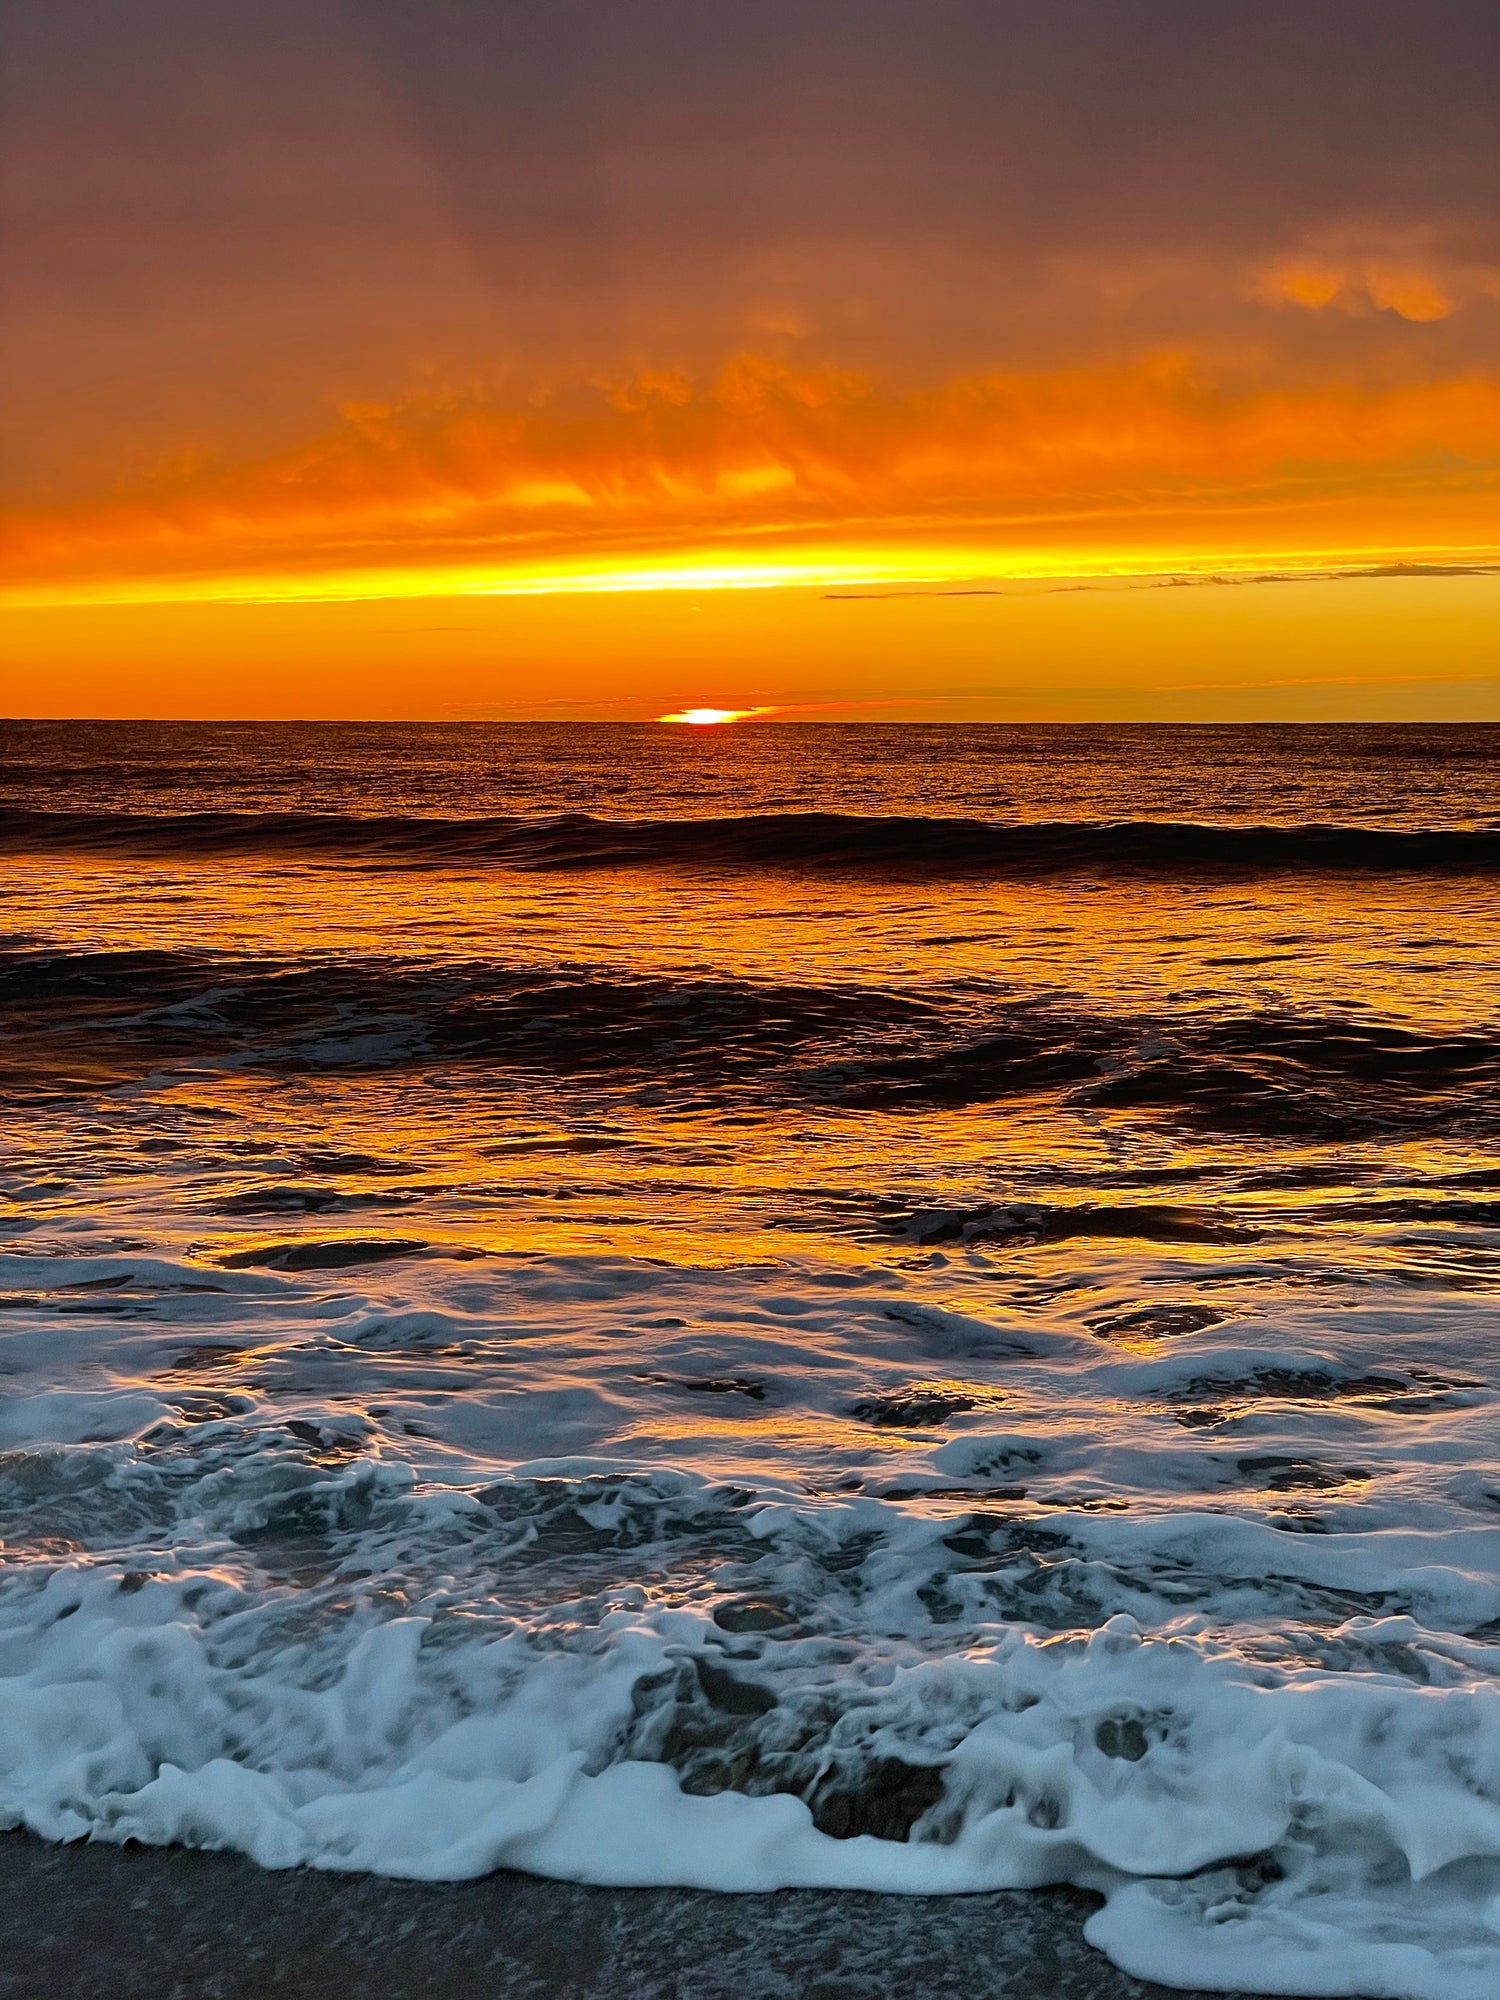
(1291, 1074)
(1220, 1644)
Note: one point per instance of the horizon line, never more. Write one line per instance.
(663, 724)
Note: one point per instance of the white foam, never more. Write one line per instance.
(413, 1570)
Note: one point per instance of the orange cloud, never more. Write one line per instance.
(772, 456)
(1409, 290)
(1411, 279)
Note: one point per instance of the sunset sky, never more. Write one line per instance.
(1013, 358)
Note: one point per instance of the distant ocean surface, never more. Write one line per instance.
(905, 1307)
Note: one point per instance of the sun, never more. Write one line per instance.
(700, 716)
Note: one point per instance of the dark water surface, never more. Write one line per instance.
(909, 1308)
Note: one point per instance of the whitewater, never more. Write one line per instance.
(569, 1301)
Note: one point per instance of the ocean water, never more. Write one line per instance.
(902, 1307)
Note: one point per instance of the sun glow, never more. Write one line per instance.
(973, 566)
(760, 477)
(700, 717)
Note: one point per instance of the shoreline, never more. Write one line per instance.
(98, 1922)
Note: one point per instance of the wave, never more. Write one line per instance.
(72, 1020)
(852, 843)
(1269, 1752)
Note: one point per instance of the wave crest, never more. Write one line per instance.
(849, 843)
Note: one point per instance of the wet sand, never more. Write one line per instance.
(107, 1923)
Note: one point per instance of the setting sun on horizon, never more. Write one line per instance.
(704, 716)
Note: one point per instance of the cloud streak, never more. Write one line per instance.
(1170, 450)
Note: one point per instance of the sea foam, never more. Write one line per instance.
(276, 1582)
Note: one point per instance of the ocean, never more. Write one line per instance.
(898, 1307)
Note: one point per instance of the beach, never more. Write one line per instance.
(100, 1923)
